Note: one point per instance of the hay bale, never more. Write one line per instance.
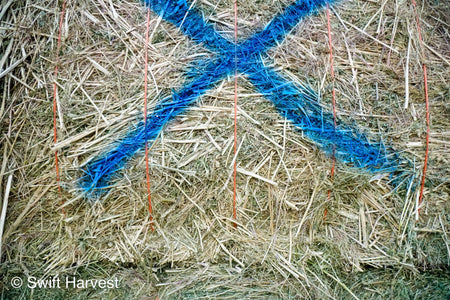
(283, 246)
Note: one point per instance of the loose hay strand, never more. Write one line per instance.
(4, 203)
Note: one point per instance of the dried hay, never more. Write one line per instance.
(368, 245)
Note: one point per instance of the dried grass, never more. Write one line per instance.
(283, 247)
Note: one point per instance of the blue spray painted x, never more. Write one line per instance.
(299, 104)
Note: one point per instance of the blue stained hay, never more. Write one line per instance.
(298, 104)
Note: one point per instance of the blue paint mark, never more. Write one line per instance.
(298, 104)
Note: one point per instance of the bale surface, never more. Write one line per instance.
(368, 244)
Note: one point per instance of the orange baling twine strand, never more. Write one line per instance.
(55, 95)
(235, 112)
(147, 171)
(427, 108)
(333, 93)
